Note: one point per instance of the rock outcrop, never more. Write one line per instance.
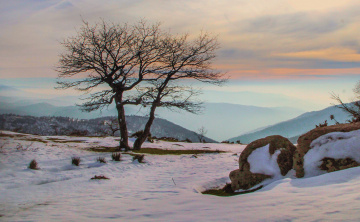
(328, 164)
(243, 178)
(331, 164)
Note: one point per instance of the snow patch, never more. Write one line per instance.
(337, 145)
(261, 161)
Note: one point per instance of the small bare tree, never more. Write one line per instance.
(352, 108)
(201, 132)
(184, 59)
(112, 126)
(116, 56)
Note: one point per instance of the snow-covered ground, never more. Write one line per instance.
(165, 188)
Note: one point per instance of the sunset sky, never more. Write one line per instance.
(296, 51)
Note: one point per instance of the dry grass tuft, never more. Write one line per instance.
(100, 177)
(116, 156)
(101, 160)
(33, 165)
(75, 160)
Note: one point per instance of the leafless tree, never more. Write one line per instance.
(352, 108)
(116, 56)
(184, 59)
(201, 132)
(112, 126)
(142, 57)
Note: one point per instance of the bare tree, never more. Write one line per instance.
(112, 126)
(352, 108)
(184, 59)
(201, 132)
(116, 56)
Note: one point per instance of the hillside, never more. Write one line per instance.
(91, 127)
(293, 128)
(221, 120)
(47, 109)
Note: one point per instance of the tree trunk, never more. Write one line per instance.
(142, 138)
(124, 137)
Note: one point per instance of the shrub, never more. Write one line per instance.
(33, 165)
(188, 140)
(116, 156)
(75, 160)
(139, 158)
(101, 160)
(322, 124)
(100, 177)
(354, 119)
(227, 142)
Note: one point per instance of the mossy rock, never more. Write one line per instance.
(276, 142)
(331, 164)
(304, 141)
(245, 179)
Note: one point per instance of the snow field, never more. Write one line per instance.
(165, 188)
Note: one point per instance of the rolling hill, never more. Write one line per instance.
(50, 125)
(221, 120)
(293, 128)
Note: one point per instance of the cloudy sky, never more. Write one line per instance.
(275, 52)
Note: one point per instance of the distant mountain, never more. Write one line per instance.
(257, 99)
(221, 120)
(50, 125)
(8, 91)
(296, 127)
(7, 88)
(46, 109)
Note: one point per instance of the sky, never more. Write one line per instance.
(296, 52)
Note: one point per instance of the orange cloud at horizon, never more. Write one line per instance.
(283, 73)
(332, 54)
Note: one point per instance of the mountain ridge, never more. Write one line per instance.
(55, 125)
(221, 120)
(297, 126)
